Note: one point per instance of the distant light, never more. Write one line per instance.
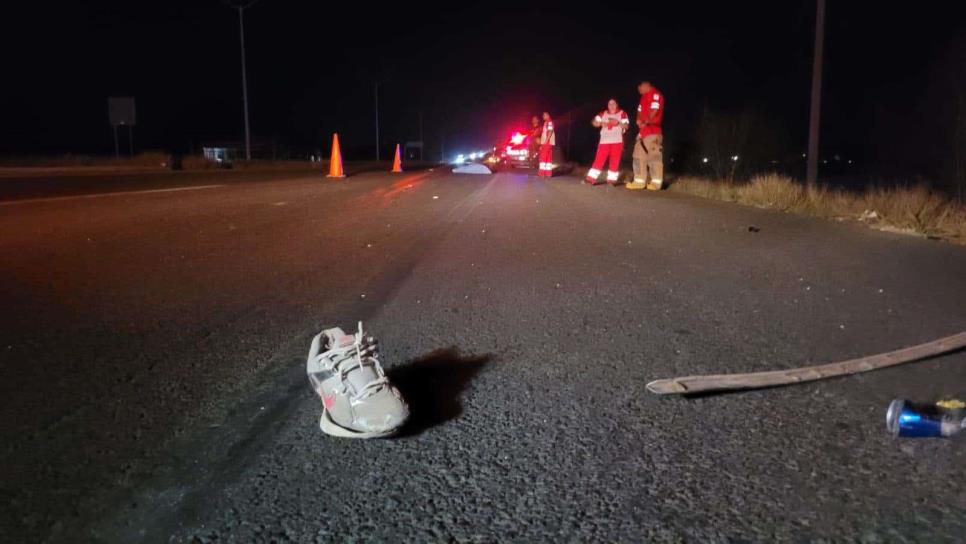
(517, 138)
(803, 155)
(472, 156)
(704, 160)
(460, 159)
(850, 161)
(734, 158)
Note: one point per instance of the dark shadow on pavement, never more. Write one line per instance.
(432, 386)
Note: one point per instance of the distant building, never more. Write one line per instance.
(222, 154)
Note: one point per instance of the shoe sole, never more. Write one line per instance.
(332, 428)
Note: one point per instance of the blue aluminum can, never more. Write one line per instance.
(914, 420)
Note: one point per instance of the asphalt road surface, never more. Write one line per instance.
(152, 348)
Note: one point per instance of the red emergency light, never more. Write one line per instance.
(517, 138)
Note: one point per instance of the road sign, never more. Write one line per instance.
(120, 111)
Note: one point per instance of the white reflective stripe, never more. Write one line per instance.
(638, 180)
(593, 173)
(612, 176)
(638, 107)
(655, 105)
(597, 118)
(657, 96)
(625, 121)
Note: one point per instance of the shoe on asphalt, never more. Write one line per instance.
(636, 185)
(357, 399)
(654, 185)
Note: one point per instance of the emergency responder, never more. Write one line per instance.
(533, 141)
(547, 140)
(649, 146)
(613, 123)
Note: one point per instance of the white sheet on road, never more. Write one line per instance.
(472, 168)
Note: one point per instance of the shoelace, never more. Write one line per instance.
(364, 351)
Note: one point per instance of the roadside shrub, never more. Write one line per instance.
(705, 188)
(915, 209)
(772, 191)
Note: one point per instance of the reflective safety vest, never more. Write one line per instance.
(613, 126)
(548, 136)
(652, 101)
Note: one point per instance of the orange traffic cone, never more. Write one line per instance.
(397, 162)
(335, 163)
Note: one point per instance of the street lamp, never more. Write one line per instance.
(241, 38)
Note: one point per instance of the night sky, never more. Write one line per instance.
(475, 70)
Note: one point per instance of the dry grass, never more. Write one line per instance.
(905, 209)
(145, 159)
(198, 162)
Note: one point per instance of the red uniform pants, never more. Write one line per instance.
(546, 160)
(605, 152)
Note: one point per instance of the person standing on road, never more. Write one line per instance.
(547, 140)
(613, 123)
(649, 146)
(533, 140)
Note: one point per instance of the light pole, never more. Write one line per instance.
(811, 168)
(241, 38)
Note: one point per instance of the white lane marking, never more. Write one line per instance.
(98, 195)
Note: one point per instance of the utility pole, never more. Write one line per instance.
(811, 171)
(377, 120)
(570, 128)
(241, 38)
(422, 145)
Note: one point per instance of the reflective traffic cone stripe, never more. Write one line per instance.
(335, 162)
(397, 162)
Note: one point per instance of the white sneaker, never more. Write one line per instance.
(357, 398)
